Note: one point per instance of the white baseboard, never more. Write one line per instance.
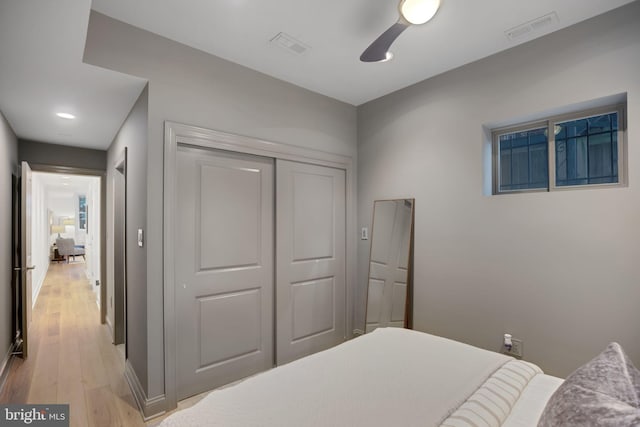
(5, 365)
(149, 408)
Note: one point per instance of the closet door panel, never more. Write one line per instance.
(224, 268)
(312, 203)
(310, 271)
(312, 308)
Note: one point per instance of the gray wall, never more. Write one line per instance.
(558, 270)
(8, 164)
(61, 155)
(133, 136)
(192, 87)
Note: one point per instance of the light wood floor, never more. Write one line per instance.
(72, 358)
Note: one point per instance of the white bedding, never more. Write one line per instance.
(390, 377)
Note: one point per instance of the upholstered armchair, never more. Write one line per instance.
(67, 248)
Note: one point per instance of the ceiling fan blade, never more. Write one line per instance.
(377, 51)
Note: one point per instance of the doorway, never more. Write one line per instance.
(58, 219)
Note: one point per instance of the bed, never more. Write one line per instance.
(390, 377)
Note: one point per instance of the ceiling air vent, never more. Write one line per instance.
(287, 42)
(531, 27)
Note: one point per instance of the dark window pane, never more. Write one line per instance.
(520, 141)
(599, 124)
(538, 137)
(524, 160)
(575, 128)
(582, 158)
(538, 165)
(605, 180)
(520, 165)
(576, 159)
(587, 151)
(505, 167)
(561, 161)
(600, 155)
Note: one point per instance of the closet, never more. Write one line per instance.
(259, 267)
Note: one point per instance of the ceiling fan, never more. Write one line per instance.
(412, 12)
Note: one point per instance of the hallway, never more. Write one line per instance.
(72, 358)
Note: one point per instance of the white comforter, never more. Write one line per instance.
(390, 377)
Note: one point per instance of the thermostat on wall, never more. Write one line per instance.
(140, 238)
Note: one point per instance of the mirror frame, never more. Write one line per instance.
(408, 310)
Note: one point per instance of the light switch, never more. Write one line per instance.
(365, 234)
(140, 237)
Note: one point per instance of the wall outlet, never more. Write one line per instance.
(516, 348)
(364, 233)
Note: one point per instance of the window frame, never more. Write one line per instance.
(550, 123)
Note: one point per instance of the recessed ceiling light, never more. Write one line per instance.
(66, 177)
(65, 183)
(66, 116)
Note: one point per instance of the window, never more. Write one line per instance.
(82, 212)
(587, 151)
(524, 160)
(577, 150)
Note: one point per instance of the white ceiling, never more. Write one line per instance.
(41, 73)
(58, 185)
(42, 42)
(338, 31)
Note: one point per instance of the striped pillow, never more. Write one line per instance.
(491, 404)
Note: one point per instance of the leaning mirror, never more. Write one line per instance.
(389, 293)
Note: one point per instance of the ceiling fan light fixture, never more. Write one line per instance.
(387, 57)
(418, 12)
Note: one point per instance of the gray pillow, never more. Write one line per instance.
(604, 392)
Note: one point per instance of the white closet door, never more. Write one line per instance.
(310, 272)
(224, 268)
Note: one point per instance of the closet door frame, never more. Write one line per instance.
(177, 134)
